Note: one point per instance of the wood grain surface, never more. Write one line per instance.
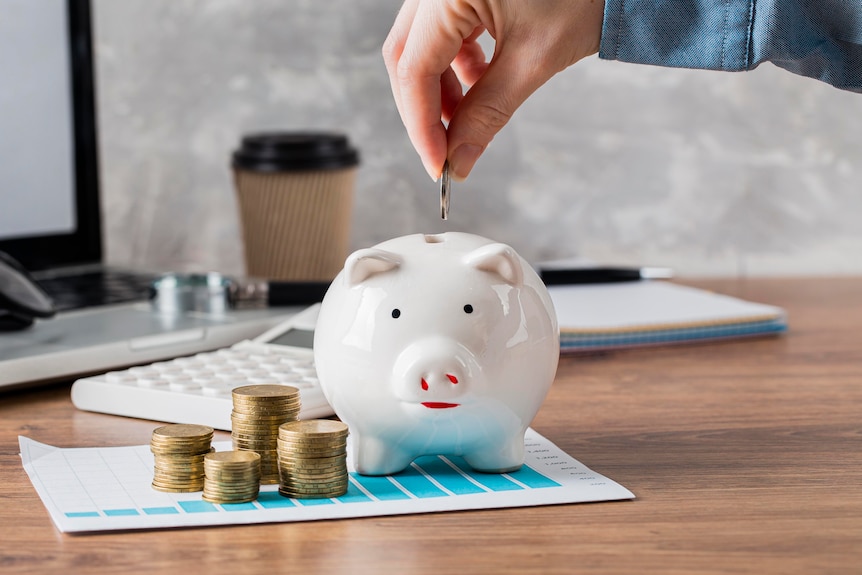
(746, 457)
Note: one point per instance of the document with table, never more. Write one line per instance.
(105, 489)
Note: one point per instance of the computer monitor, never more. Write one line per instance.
(49, 185)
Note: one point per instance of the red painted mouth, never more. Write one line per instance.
(439, 404)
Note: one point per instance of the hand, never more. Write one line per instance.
(432, 49)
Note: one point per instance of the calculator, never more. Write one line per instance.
(197, 388)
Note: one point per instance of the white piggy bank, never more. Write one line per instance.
(436, 344)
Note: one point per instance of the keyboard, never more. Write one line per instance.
(197, 389)
(96, 288)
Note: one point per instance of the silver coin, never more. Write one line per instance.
(445, 190)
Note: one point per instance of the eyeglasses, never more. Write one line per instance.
(21, 298)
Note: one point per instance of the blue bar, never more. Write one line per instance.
(418, 484)
(161, 510)
(446, 476)
(380, 487)
(532, 478)
(353, 495)
(493, 481)
(247, 506)
(310, 502)
(120, 512)
(76, 514)
(197, 506)
(274, 500)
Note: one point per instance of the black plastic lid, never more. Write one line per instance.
(294, 151)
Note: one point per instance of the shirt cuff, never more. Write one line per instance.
(705, 34)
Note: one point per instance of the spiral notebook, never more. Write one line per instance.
(600, 317)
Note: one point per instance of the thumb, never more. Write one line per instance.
(488, 106)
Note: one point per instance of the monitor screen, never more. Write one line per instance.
(49, 192)
(37, 180)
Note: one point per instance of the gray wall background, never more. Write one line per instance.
(711, 173)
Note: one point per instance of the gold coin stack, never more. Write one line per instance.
(312, 459)
(231, 476)
(178, 453)
(258, 410)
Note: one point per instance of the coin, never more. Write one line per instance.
(225, 458)
(289, 458)
(312, 446)
(179, 431)
(258, 411)
(178, 457)
(268, 391)
(263, 428)
(177, 489)
(312, 481)
(445, 187)
(254, 444)
(232, 476)
(330, 490)
(312, 458)
(265, 408)
(313, 428)
(281, 415)
(301, 495)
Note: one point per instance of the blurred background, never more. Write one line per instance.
(713, 174)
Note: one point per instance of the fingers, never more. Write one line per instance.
(426, 133)
(470, 63)
(418, 55)
(433, 48)
(451, 93)
(393, 46)
(488, 106)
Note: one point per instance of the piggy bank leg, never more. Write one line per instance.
(373, 456)
(502, 456)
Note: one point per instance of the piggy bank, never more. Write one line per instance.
(433, 345)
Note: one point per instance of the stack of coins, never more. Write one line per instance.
(231, 476)
(179, 452)
(312, 458)
(258, 410)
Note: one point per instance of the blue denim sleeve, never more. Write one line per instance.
(817, 38)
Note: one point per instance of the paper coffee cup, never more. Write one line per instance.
(295, 195)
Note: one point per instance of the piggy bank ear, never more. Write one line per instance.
(363, 264)
(498, 259)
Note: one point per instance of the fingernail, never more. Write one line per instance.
(463, 159)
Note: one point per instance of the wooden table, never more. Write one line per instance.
(746, 457)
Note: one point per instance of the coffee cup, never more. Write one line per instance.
(295, 195)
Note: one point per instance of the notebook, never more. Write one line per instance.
(50, 215)
(644, 313)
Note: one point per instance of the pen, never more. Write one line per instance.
(598, 275)
(296, 293)
(256, 292)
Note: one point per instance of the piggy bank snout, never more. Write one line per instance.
(433, 369)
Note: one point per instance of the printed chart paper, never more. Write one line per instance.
(108, 488)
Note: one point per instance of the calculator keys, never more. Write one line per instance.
(183, 385)
(215, 388)
(152, 382)
(120, 377)
(214, 374)
(197, 389)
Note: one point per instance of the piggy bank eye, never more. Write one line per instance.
(468, 308)
(396, 313)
